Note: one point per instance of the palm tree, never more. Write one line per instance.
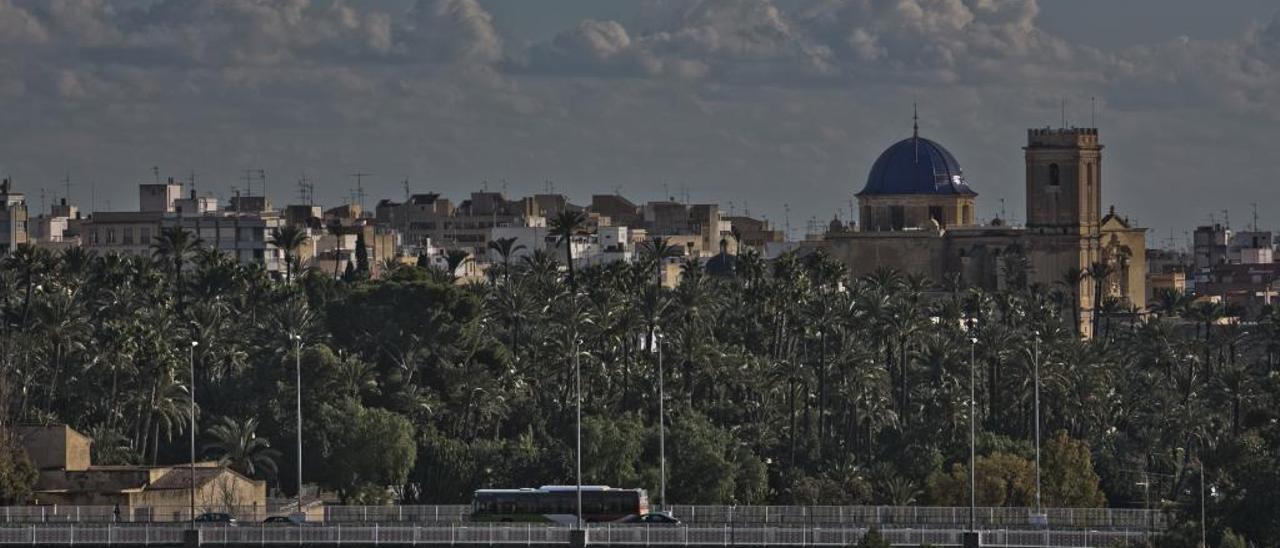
(1100, 272)
(565, 226)
(506, 248)
(656, 251)
(237, 445)
(172, 247)
(1070, 282)
(454, 259)
(289, 238)
(336, 229)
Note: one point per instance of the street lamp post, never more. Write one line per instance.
(1036, 362)
(662, 431)
(577, 381)
(297, 364)
(973, 435)
(192, 411)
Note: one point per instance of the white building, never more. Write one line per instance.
(244, 236)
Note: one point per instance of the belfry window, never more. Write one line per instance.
(1054, 175)
(897, 217)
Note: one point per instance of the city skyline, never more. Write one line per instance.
(753, 103)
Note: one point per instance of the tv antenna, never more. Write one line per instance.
(306, 190)
(66, 184)
(786, 209)
(359, 192)
(155, 172)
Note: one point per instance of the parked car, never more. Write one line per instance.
(216, 518)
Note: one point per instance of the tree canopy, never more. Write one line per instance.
(791, 382)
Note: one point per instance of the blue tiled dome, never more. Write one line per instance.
(916, 166)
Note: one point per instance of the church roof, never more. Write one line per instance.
(916, 165)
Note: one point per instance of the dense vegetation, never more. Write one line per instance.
(791, 383)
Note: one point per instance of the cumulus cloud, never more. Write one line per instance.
(801, 92)
(452, 30)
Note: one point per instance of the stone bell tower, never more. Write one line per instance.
(1064, 181)
(1064, 203)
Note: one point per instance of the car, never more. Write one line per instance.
(291, 519)
(657, 518)
(216, 518)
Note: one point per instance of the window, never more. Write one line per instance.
(965, 216)
(127, 235)
(1055, 177)
(897, 218)
(144, 235)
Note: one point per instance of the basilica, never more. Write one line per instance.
(917, 215)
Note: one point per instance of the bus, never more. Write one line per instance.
(559, 504)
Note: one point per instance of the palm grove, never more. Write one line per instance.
(790, 383)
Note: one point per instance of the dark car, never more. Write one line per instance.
(216, 518)
(657, 518)
(286, 520)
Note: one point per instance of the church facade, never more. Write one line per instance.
(917, 215)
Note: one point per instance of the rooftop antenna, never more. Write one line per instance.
(1226, 218)
(786, 209)
(262, 178)
(93, 196)
(155, 172)
(1255, 216)
(42, 199)
(406, 189)
(915, 129)
(731, 210)
(191, 178)
(1093, 112)
(746, 209)
(66, 182)
(359, 192)
(1002, 214)
(504, 185)
(248, 182)
(302, 189)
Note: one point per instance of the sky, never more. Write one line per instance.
(773, 107)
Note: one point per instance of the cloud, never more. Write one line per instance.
(452, 31)
(777, 102)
